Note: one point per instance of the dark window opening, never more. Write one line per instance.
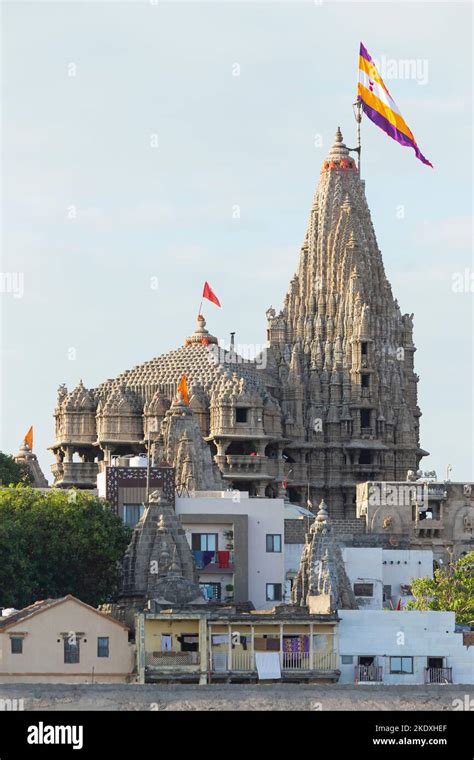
(365, 457)
(365, 415)
(204, 542)
(241, 448)
(102, 646)
(435, 662)
(132, 514)
(241, 414)
(365, 380)
(189, 642)
(363, 589)
(274, 542)
(273, 592)
(71, 650)
(16, 643)
(364, 348)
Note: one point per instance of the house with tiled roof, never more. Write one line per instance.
(64, 641)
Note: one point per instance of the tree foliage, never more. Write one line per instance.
(58, 542)
(11, 472)
(451, 588)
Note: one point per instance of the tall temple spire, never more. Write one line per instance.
(340, 322)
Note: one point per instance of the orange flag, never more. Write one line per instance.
(183, 388)
(209, 294)
(29, 438)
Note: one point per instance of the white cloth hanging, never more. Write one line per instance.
(165, 642)
(268, 665)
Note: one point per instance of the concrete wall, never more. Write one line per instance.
(43, 647)
(387, 633)
(365, 566)
(401, 567)
(381, 567)
(263, 516)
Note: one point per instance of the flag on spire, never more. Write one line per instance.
(209, 294)
(183, 389)
(29, 438)
(379, 106)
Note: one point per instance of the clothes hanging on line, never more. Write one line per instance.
(223, 559)
(220, 639)
(268, 665)
(198, 558)
(207, 558)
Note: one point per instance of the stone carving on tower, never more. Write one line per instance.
(158, 563)
(330, 402)
(322, 584)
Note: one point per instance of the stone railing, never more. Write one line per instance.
(81, 474)
(245, 463)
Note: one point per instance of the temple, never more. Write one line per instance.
(330, 403)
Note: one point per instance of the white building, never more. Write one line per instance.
(403, 647)
(251, 531)
(382, 577)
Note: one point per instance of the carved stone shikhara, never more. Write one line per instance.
(322, 584)
(331, 401)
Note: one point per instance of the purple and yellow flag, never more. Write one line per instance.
(379, 106)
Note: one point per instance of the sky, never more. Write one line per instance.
(149, 146)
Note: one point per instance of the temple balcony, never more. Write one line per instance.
(243, 464)
(367, 433)
(75, 474)
(428, 529)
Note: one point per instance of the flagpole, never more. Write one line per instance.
(200, 307)
(357, 108)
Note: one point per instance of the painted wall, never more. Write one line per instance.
(402, 566)
(365, 566)
(382, 567)
(388, 633)
(43, 647)
(264, 516)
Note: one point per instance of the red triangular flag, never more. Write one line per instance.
(209, 294)
(399, 605)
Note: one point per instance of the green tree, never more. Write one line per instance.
(451, 588)
(11, 472)
(58, 542)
